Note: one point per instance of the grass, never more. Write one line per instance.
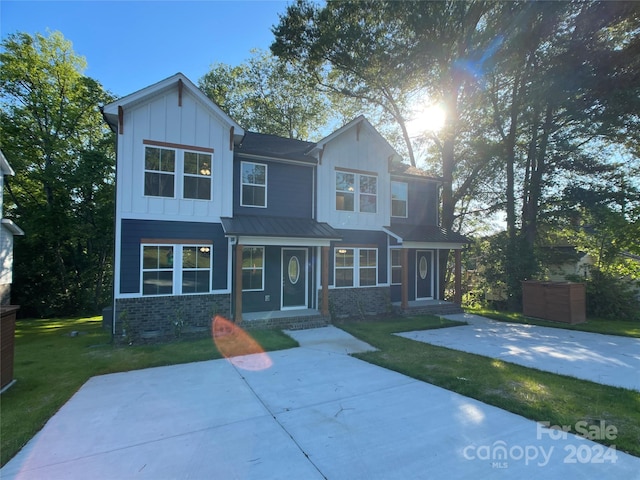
(50, 366)
(624, 328)
(534, 394)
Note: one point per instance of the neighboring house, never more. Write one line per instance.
(7, 231)
(212, 219)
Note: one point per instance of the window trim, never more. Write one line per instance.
(261, 247)
(406, 200)
(356, 266)
(177, 266)
(357, 190)
(265, 186)
(178, 173)
(197, 175)
(145, 170)
(395, 266)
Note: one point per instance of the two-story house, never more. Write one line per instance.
(212, 219)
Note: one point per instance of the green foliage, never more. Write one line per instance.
(611, 297)
(53, 135)
(267, 95)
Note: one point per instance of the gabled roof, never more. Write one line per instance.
(110, 111)
(358, 123)
(425, 233)
(272, 146)
(265, 226)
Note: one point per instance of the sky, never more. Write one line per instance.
(129, 45)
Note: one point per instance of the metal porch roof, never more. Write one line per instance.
(265, 226)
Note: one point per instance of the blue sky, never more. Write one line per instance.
(129, 45)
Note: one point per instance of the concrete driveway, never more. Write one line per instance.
(304, 413)
(605, 359)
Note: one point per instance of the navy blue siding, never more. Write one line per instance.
(133, 231)
(422, 203)
(358, 238)
(289, 190)
(255, 301)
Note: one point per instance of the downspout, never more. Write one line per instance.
(114, 129)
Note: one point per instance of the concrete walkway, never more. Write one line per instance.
(605, 359)
(311, 412)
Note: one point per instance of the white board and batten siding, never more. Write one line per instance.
(360, 152)
(161, 119)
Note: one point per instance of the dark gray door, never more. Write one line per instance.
(424, 274)
(294, 278)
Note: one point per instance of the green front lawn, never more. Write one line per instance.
(534, 394)
(50, 366)
(622, 328)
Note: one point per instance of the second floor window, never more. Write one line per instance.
(253, 185)
(356, 192)
(159, 172)
(399, 199)
(197, 175)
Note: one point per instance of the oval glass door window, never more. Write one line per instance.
(294, 270)
(423, 268)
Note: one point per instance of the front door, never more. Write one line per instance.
(424, 274)
(294, 278)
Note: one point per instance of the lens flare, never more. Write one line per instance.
(237, 346)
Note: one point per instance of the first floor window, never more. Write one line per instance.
(252, 268)
(368, 267)
(355, 267)
(344, 261)
(396, 266)
(176, 269)
(157, 270)
(196, 269)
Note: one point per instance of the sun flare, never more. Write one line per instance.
(426, 120)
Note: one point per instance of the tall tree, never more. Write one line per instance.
(268, 96)
(62, 195)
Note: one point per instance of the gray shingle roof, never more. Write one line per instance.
(273, 146)
(264, 226)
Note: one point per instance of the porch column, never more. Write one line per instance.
(457, 292)
(325, 281)
(404, 288)
(238, 285)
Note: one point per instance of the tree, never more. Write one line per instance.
(267, 96)
(396, 55)
(552, 112)
(62, 195)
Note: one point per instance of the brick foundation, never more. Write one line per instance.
(359, 302)
(153, 319)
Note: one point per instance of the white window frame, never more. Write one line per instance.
(395, 266)
(199, 176)
(159, 172)
(242, 184)
(178, 173)
(253, 268)
(183, 269)
(357, 190)
(356, 266)
(405, 200)
(176, 269)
